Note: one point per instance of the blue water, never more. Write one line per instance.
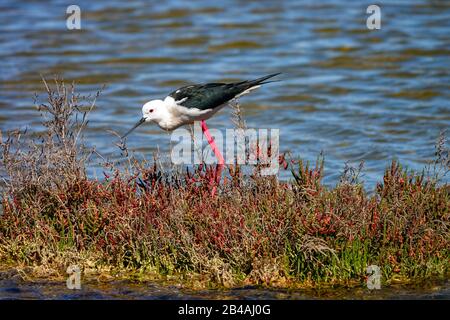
(353, 93)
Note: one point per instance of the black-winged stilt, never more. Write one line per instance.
(197, 102)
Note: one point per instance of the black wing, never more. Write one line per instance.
(212, 95)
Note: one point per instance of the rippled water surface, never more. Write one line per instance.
(352, 93)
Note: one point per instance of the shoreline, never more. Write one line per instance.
(195, 281)
(129, 288)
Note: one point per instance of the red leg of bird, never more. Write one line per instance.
(216, 151)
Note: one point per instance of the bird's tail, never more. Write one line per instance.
(247, 84)
(244, 87)
(262, 79)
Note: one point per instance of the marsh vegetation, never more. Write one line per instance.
(145, 221)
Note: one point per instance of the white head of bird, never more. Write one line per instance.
(154, 110)
(168, 114)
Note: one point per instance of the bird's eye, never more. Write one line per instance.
(151, 110)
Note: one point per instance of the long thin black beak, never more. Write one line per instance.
(134, 127)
